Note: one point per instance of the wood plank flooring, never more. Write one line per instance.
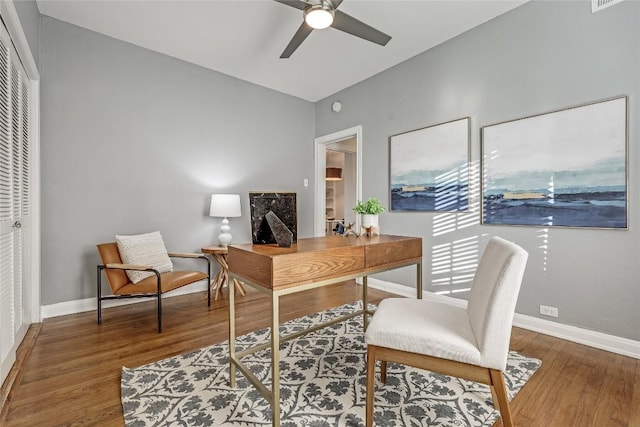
(72, 375)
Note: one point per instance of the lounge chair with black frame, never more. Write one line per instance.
(154, 286)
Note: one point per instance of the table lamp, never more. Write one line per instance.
(225, 206)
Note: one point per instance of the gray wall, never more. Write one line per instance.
(29, 16)
(537, 58)
(133, 141)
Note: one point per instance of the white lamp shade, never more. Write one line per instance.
(225, 205)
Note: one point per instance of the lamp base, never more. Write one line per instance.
(224, 238)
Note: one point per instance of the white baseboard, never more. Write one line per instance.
(91, 304)
(611, 343)
(607, 342)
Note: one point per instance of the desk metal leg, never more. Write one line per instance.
(232, 337)
(419, 280)
(275, 359)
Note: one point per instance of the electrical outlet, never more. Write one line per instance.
(548, 311)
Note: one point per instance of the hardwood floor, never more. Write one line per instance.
(72, 375)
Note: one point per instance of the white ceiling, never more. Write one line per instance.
(245, 38)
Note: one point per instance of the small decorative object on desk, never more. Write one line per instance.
(369, 211)
(348, 230)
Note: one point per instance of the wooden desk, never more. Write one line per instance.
(219, 253)
(309, 264)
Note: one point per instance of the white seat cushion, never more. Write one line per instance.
(144, 249)
(424, 327)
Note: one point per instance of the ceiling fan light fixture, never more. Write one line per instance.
(319, 16)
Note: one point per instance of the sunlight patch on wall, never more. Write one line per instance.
(543, 237)
(454, 262)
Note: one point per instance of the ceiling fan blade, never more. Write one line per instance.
(298, 4)
(348, 24)
(297, 40)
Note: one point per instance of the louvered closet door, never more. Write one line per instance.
(15, 215)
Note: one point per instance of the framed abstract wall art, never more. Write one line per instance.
(565, 168)
(429, 168)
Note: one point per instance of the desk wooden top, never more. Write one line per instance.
(321, 258)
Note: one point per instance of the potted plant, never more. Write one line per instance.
(369, 211)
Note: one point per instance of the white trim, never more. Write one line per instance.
(612, 343)
(319, 190)
(91, 304)
(607, 342)
(320, 165)
(35, 274)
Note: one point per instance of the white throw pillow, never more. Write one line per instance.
(144, 249)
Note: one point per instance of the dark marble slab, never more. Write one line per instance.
(283, 205)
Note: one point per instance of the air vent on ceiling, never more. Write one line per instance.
(598, 5)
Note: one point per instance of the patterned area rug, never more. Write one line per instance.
(322, 384)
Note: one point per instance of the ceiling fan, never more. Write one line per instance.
(322, 14)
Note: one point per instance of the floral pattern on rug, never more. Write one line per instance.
(322, 381)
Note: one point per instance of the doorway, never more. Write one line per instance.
(334, 200)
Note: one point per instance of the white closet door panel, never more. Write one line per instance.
(7, 326)
(14, 200)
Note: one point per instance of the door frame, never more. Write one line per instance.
(321, 143)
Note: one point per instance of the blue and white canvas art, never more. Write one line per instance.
(429, 168)
(567, 168)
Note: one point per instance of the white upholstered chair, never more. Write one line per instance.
(471, 343)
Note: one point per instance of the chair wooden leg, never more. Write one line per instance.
(383, 371)
(501, 401)
(371, 384)
(494, 396)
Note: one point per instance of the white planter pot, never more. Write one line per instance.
(369, 220)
